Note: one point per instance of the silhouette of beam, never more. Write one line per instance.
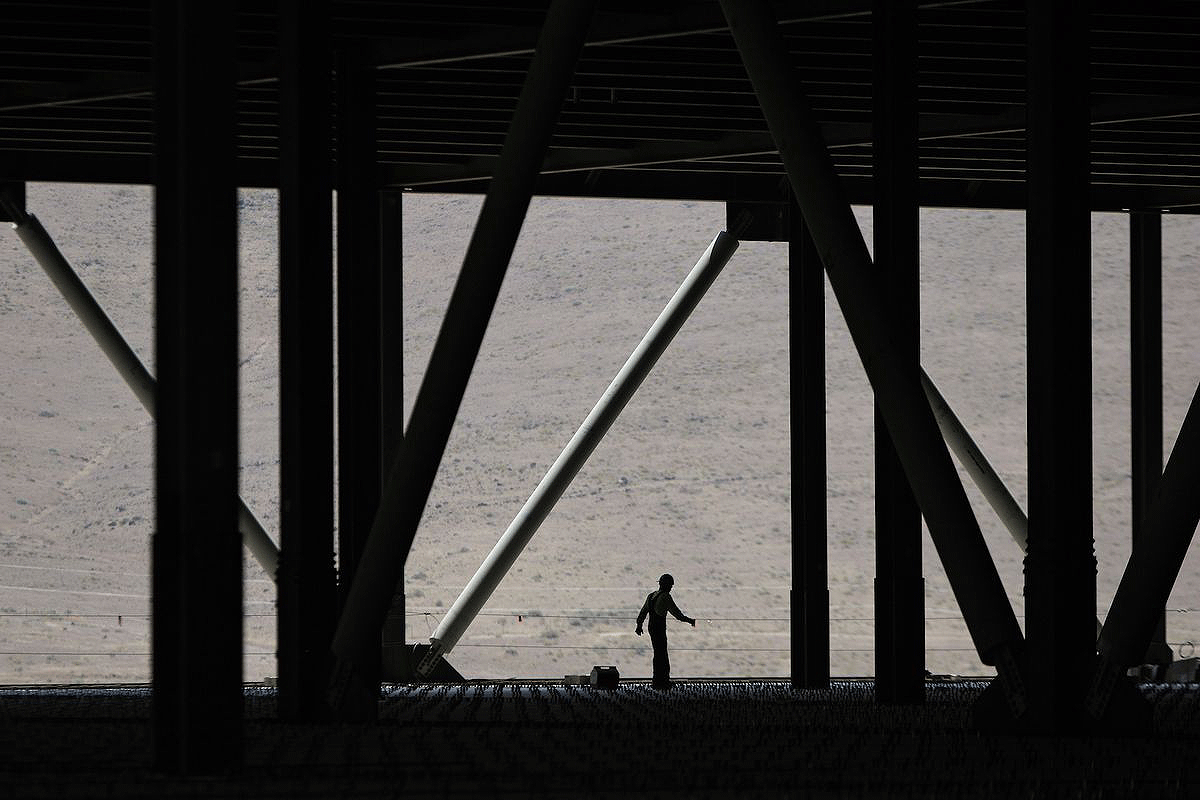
(910, 422)
(411, 476)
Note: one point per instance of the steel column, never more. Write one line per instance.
(411, 475)
(359, 310)
(307, 586)
(1145, 307)
(396, 662)
(197, 554)
(810, 557)
(1060, 563)
(899, 585)
(914, 432)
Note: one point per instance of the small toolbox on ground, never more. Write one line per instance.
(605, 677)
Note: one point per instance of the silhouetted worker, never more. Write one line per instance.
(657, 605)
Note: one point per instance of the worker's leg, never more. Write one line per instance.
(662, 664)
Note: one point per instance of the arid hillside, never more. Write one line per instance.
(693, 479)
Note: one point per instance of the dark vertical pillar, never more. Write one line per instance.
(391, 360)
(1145, 279)
(197, 550)
(810, 581)
(307, 585)
(898, 393)
(899, 585)
(484, 265)
(1060, 563)
(358, 313)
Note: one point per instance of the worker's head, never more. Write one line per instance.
(666, 582)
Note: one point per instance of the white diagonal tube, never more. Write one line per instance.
(977, 465)
(122, 356)
(573, 456)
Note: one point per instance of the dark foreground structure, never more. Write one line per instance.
(519, 738)
(786, 111)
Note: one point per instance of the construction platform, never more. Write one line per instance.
(704, 738)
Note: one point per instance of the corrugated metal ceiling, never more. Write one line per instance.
(660, 104)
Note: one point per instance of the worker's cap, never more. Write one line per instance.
(666, 580)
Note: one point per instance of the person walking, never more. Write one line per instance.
(656, 607)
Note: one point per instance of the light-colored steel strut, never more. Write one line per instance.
(931, 474)
(977, 466)
(567, 465)
(122, 356)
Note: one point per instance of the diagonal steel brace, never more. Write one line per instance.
(122, 356)
(412, 473)
(927, 464)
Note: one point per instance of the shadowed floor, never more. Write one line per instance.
(704, 738)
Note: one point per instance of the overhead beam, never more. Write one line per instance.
(411, 476)
(665, 181)
(609, 29)
(931, 473)
(930, 128)
(619, 28)
(684, 184)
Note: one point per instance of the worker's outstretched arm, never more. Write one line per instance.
(679, 615)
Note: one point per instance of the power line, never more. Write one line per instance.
(644, 648)
(498, 614)
(525, 616)
(72, 654)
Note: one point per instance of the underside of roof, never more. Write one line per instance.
(659, 106)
